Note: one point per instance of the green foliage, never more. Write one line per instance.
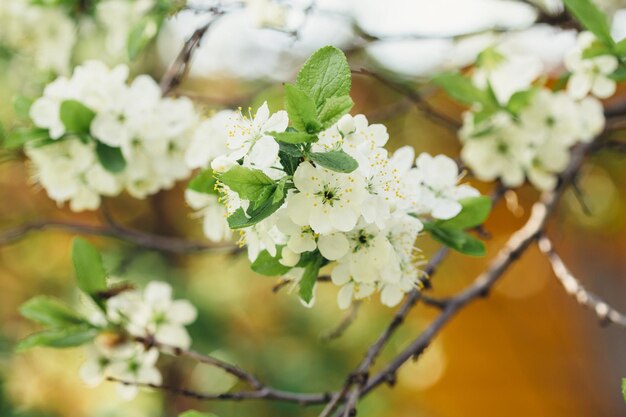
(50, 312)
(301, 109)
(193, 413)
(474, 213)
(620, 47)
(143, 33)
(266, 264)
(110, 158)
(456, 239)
(309, 277)
(451, 232)
(463, 90)
(20, 136)
(335, 160)
(325, 74)
(624, 388)
(90, 273)
(21, 105)
(592, 18)
(520, 100)
(333, 109)
(76, 117)
(59, 337)
(290, 157)
(250, 184)
(294, 137)
(204, 182)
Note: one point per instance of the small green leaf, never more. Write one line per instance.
(620, 48)
(293, 137)
(193, 413)
(21, 105)
(520, 100)
(592, 18)
(239, 219)
(324, 75)
(463, 90)
(76, 117)
(90, 273)
(333, 108)
(266, 264)
(619, 74)
(301, 110)
(142, 34)
(290, 157)
(110, 158)
(204, 182)
(309, 277)
(20, 136)
(338, 161)
(50, 312)
(456, 239)
(475, 211)
(597, 49)
(59, 338)
(250, 184)
(624, 388)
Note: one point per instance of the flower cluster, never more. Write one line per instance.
(133, 314)
(517, 129)
(306, 189)
(98, 135)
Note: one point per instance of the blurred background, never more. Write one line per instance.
(527, 350)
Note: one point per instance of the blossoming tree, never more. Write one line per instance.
(312, 191)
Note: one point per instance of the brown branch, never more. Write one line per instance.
(344, 324)
(179, 68)
(143, 239)
(420, 103)
(264, 393)
(573, 287)
(513, 249)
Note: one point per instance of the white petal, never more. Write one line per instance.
(182, 312)
(446, 208)
(578, 85)
(277, 123)
(334, 246)
(158, 293)
(344, 296)
(603, 87)
(173, 335)
(127, 392)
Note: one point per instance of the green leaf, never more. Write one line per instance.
(110, 158)
(50, 312)
(624, 388)
(520, 100)
(309, 277)
(239, 219)
(19, 137)
(338, 161)
(204, 182)
(290, 157)
(59, 338)
(76, 117)
(592, 18)
(334, 108)
(619, 74)
(266, 264)
(463, 90)
(620, 48)
(324, 75)
(90, 273)
(142, 34)
(597, 49)
(475, 211)
(249, 183)
(193, 413)
(21, 105)
(293, 137)
(301, 109)
(456, 239)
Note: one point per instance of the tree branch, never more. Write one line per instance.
(573, 287)
(114, 231)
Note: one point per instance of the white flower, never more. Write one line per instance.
(350, 288)
(266, 13)
(213, 212)
(262, 236)
(506, 71)
(438, 193)
(327, 201)
(249, 136)
(138, 369)
(590, 75)
(209, 140)
(118, 18)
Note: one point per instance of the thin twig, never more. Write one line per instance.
(419, 102)
(264, 393)
(573, 287)
(344, 324)
(142, 239)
